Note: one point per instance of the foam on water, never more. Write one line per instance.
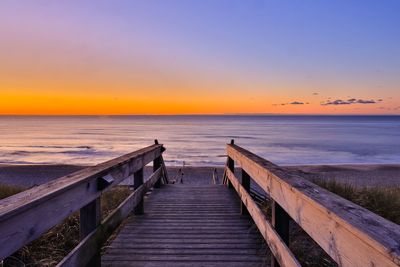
(200, 140)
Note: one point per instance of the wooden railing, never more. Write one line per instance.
(26, 216)
(350, 234)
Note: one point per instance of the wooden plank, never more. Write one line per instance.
(337, 225)
(89, 246)
(201, 258)
(134, 245)
(181, 251)
(185, 234)
(27, 215)
(137, 182)
(185, 241)
(156, 165)
(121, 263)
(278, 248)
(246, 186)
(280, 221)
(89, 219)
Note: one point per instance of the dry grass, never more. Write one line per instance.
(54, 245)
(7, 190)
(384, 201)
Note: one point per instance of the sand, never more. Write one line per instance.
(371, 175)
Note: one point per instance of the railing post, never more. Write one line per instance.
(231, 166)
(138, 181)
(90, 217)
(280, 221)
(156, 165)
(246, 186)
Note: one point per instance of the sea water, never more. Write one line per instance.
(200, 140)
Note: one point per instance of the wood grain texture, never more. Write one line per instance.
(278, 247)
(350, 234)
(200, 225)
(90, 246)
(27, 215)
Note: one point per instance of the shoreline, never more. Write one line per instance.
(369, 175)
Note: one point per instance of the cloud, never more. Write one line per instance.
(360, 101)
(315, 93)
(350, 101)
(292, 103)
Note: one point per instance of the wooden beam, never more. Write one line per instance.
(246, 186)
(27, 215)
(280, 221)
(231, 167)
(138, 181)
(90, 217)
(156, 165)
(88, 247)
(350, 234)
(277, 246)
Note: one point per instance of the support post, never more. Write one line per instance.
(231, 166)
(157, 164)
(280, 221)
(90, 218)
(246, 186)
(138, 181)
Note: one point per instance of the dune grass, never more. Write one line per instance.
(380, 200)
(8, 190)
(384, 201)
(54, 245)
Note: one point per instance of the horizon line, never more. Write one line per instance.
(201, 114)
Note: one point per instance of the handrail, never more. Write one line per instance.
(91, 245)
(27, 215)
(350, 234)
(278, 248)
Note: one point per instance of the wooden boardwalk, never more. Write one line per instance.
(182, 225)
(188, 226)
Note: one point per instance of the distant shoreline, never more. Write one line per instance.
(371, 175)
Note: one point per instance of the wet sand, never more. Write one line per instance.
(371, 175)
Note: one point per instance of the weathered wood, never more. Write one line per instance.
(337, 225)
(27, 215)
(156, 263)
(156, 165)
(280, 221)
(246, 186)
(90, 217)
(231, 167)
(164, 172)
(90, 246)
(187, 234)
(137, 182)
(277, 246)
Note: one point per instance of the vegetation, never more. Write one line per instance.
(7, 190)
(384, 201)
(54, 245)
(380, 200)
(65, 236)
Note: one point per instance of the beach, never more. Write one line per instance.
(362, 175)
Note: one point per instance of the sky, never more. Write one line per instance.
(199, 57)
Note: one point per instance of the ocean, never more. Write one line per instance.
(200, 140)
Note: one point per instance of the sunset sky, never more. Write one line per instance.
(199, 57)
